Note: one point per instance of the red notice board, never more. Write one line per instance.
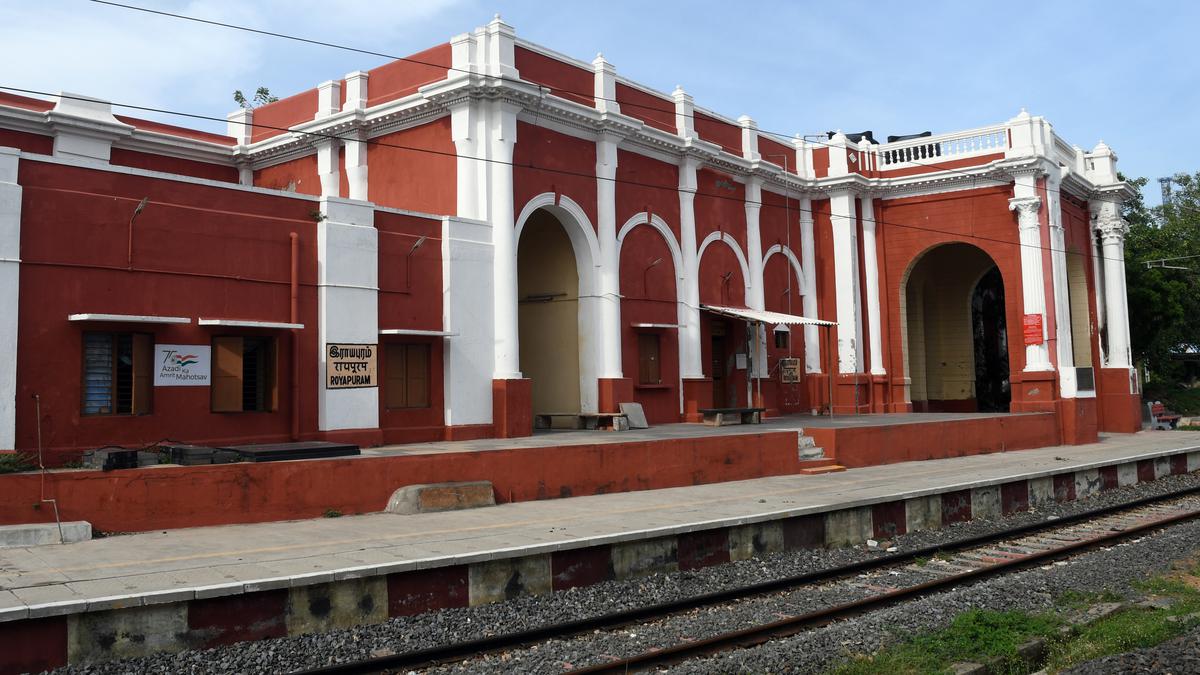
(1033, 329)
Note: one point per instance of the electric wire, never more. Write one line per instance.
(565, 172)
(410, 59)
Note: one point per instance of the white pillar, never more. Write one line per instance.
(690, 359)
(754, 260)
(1111, 230)
(610, 269)
(605, 85)
(845, 262)
(1033, 281)
(871, 278)
(502, 135)
(10, 268)
(328, 162)
(356, 148)
(467, 313)
(812, 335)
(347, 305)
(1067, 383)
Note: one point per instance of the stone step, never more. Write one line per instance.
(812, 453)
(40, 534)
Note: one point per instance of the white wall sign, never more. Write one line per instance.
(182, 365)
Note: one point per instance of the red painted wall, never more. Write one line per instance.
(649, 296)
(197, 252)
(415, 169)
(720, 205)
(653, 110)
(172, 130)
(17, 101)
(175, 165)
(42, 145)
(297, 175)
(771, 151)
(724, 134)
(647, 184)
(547, 161)
(564, 80)
(274, 119)
(400, 78)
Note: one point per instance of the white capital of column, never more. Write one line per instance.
(871, 278)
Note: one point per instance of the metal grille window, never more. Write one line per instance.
(117, 376)
(244, 375)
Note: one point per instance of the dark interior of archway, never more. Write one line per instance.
(992, 388)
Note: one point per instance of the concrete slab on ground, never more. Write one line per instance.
(214, 561)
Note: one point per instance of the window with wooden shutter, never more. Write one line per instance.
(649, 366)
(406, 375)
(244, 374)
(117, 373)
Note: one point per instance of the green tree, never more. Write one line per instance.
(262, 96)
(1164, 301)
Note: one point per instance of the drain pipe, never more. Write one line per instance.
(294, 317)
(37, 406)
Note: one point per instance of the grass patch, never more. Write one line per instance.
(16, 462)
(992, 638)
(976, 635)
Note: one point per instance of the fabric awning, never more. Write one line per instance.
(763, 316)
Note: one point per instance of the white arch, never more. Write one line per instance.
(586, 246)
(737, 250)
(660, 225)
(787, 253)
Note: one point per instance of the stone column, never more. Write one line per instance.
(1033, 280)
(608, 279)
(845, 262)
(690, 365)
(10, 268)
(754, 260)
(871, 278)
(1065, 350)
(1111, 230)
(812, 335)
(328, 160)
(356, 147)
(502, 136)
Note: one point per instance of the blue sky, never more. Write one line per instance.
(1118, 71)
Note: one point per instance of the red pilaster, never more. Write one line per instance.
(614, 390)
(512, 407)
(697, 394)
(1119, 400)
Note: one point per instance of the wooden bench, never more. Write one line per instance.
(719, 417)
(1160, 417)
(612, 421)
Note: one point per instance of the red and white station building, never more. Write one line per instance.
(512, 231)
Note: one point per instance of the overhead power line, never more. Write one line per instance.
(565, 172)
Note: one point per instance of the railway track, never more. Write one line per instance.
(961, 562)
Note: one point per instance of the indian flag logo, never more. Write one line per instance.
(183, 360)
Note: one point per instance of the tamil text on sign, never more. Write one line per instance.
(349, 366)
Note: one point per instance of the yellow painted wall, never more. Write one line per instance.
(549, 329)
(1081, 336)
(941, 346)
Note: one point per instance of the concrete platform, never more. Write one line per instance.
(548, 465)
(129, 595)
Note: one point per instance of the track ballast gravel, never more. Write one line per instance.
(1112, 569)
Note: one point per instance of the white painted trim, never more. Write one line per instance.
(802, 288)
(586, 245)
(654, 325)
(128, 318)
(737, 250)
(240, 323)
(416, 332)
(10, 282)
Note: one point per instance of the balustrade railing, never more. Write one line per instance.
(947, 146)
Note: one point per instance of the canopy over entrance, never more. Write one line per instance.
(763, 316)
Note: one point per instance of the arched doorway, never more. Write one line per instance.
(558, 304)
(955, 337)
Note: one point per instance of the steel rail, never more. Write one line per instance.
(461, 651)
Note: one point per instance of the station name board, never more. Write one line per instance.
(351, 366)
